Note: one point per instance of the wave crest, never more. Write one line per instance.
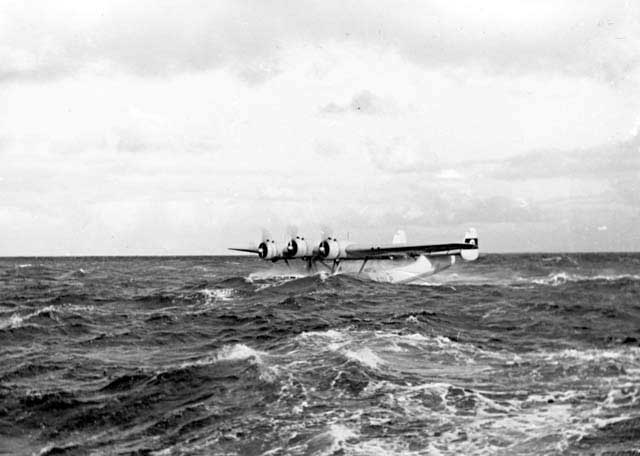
(563, 277)
(17, 321)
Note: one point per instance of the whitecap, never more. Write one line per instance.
(561, 278)
(412, 319)
(238, 352)
(331, 334)
(364, 356)
(16, 320)
(235, 352)
(629, 354)
(217, 294)
(330, 441)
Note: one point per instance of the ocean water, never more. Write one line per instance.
(511, 354)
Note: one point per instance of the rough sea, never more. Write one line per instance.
(509, 355)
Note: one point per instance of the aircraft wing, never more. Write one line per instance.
(244, 250)
(398, 251)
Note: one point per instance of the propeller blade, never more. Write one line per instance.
(326, 231)
(265, 234)
(292, 231)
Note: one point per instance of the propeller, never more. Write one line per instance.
(263, 247)
(326, 231)
(296, 244)
(292, 231)
(266, 235)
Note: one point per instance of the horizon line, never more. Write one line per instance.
(189, 255)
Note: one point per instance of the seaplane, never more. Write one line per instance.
(397, 262)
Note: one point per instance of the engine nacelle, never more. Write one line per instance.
(298, 247)
(268, 250)
(331, 249)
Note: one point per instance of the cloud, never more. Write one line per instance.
(225, 116)
(328, 149)
(363, 102)
(628, 188)
(600, 161)
(616, 164)
(163, 37)
(399, 155)
(449, 174)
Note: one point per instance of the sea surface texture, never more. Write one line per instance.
(511, 354)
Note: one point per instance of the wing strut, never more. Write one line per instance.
(363, 265)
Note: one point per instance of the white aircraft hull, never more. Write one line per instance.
(399, 271)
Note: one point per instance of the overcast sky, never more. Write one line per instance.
(165, 127)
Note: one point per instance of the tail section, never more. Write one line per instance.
(400, 238)
(471, 237)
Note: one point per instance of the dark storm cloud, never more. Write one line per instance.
(164, 37)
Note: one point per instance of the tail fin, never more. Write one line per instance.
(470, 254)
(400, 238)
(471, 237)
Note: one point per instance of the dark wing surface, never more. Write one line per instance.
(411, 251)
(245, 250)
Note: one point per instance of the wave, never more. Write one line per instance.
(125, 382)
(329, 442)
(398, 353)
(263, 280)
(238, 352)
(364, 356)
(217, 294)
(274, 275)
(560, 278)
(17, 321)
(629, 355)
(227, 353)
(77, 273)
(394, 353)
(511, 278)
